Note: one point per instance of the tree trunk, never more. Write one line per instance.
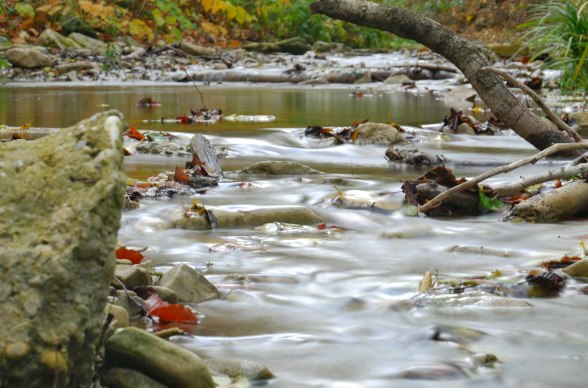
(467, 56)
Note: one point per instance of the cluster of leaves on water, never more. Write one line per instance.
(222, 22)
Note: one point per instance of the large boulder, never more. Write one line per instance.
(28, 58)
(60, 203)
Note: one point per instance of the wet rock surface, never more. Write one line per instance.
(65, 206)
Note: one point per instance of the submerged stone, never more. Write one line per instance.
(249, 218)
(234, 369)
(63, 194)
(277, 167)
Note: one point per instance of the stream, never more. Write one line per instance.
(332, 308)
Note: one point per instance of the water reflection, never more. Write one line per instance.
(56, 106)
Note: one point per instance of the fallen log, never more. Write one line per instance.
(467, 56)
(553, 206)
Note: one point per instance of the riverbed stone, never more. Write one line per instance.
(120, 314)
(161, 360)
(29, 58)
(235, 368)
(197, 50)
(86, 42)
(278, 167)
(378, 134)
(581, 119)
(132, 276)
(578, 269)
(51, 38)
(166, 148)
(64, 204)
(127, 378)
(189, 284)
(470, 299)
(397, 79)
(251, 218)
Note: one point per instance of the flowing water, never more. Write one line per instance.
(332, 308)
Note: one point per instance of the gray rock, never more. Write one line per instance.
(397, 79)
(119, 313)
(127, 378)
(166, 294)
(50, 38)
(328, 47)
(86, 42)
(28, 58)
(366, 78)
(413, 156)
(132, 276)
(578, 269)
(299, 215)
(277, 167)
(76, 66)
(197, 50)
(295, 46)
(57, 250)
(234, 369)
(189, 284)
(167, 148)
(378, 134)
(581, 119)
(464, 128)
(163, 361)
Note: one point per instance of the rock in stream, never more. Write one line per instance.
(60, 203)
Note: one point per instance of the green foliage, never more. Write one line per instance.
(281, 19)
(560, 29)
(491, 204)
(3, 65)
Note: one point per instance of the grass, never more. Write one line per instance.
(560, 30)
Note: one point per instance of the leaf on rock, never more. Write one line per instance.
(561, 263)
(133, 133)
(129, 254)
(180, 175)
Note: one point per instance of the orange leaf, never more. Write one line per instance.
(133, 133)
(181, 176)
(129, 254)
(174, 313)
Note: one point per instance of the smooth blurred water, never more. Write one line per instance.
(332, 308)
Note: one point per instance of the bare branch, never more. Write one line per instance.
(501, 170)
(513, 188)
(552, 116)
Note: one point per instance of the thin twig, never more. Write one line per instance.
(518, 186)
(559, 122)
(500, 170)
(129, 297)
(198, 90)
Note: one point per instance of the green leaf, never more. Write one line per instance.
(492, 204)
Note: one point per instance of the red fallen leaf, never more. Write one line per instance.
(180, 175)
(133, 133)
(245, 185)
(322, 226)
(153, 301)
(558, 184)
(129, 254)
(175, 313)
(184, 119)
(517, 198)
(169, 312)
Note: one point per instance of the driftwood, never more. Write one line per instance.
(556, 148)
(555, 205)
(468, 57)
